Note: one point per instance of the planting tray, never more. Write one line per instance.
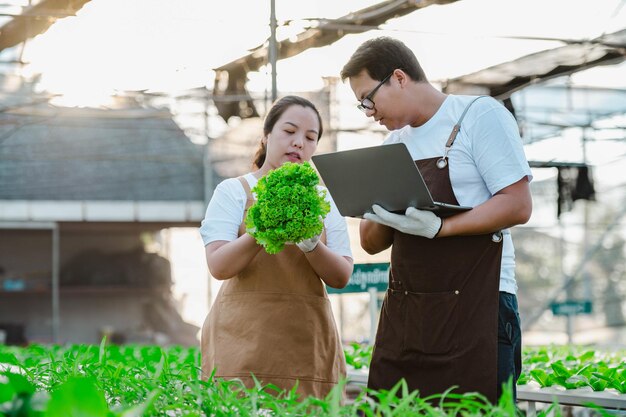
(531, 393)
(582, 397)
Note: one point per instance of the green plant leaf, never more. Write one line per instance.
(523, 378)
(8, 358)
(597, 384)
(542, 377)
(140, 409)
(20, 384)
(7, 392)
(78, 397)
(560, 370)
(587, 356)
(576, 381)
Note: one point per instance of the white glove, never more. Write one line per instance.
(414, 222)
(308, 245)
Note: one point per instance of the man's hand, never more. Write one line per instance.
(414, 222)
(308, 245)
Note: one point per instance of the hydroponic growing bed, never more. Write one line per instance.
(567, 375)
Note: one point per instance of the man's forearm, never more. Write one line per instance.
(375, 237)
(511, 206)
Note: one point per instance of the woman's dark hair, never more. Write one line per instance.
(379, 57)
(277, 110)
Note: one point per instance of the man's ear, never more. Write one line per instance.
(400, 76)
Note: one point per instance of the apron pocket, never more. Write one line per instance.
(390, 333)
(431, 321)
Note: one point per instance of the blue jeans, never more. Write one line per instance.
(509, 342)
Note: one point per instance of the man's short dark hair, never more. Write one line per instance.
(379, 57)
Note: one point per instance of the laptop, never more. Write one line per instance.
(385, 175)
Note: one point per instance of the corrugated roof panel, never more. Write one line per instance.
(96, 158)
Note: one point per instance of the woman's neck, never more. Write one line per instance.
(260, 172)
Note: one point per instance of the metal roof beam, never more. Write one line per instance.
(502, 80)
(36, 19)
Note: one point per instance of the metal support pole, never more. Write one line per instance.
(585, 246)
(207, 159)
(56, 319)
(208, 180)
(568, 291)
(561, 256)
(273, 52)
(569, 328)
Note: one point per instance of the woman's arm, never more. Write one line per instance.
(226, 259)
(226, 252)
(333, 269)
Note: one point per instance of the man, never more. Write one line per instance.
(443, 322)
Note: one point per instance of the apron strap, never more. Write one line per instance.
(457, 126)
(246, 188)
(443, 161)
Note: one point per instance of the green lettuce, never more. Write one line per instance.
(289, 207)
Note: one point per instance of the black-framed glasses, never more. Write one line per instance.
(368, 103)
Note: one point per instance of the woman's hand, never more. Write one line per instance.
(308, 245)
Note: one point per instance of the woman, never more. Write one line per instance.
(272, 317)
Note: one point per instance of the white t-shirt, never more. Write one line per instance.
(486, 157)
(224, 215)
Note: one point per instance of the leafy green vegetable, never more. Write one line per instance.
(289, 207)
(358, 356)
(545, 379)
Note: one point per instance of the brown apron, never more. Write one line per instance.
(274, 321)
(438, 324)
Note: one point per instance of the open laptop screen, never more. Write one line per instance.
(385, 175)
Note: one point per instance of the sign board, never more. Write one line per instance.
(572, 307)
(365, 276)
